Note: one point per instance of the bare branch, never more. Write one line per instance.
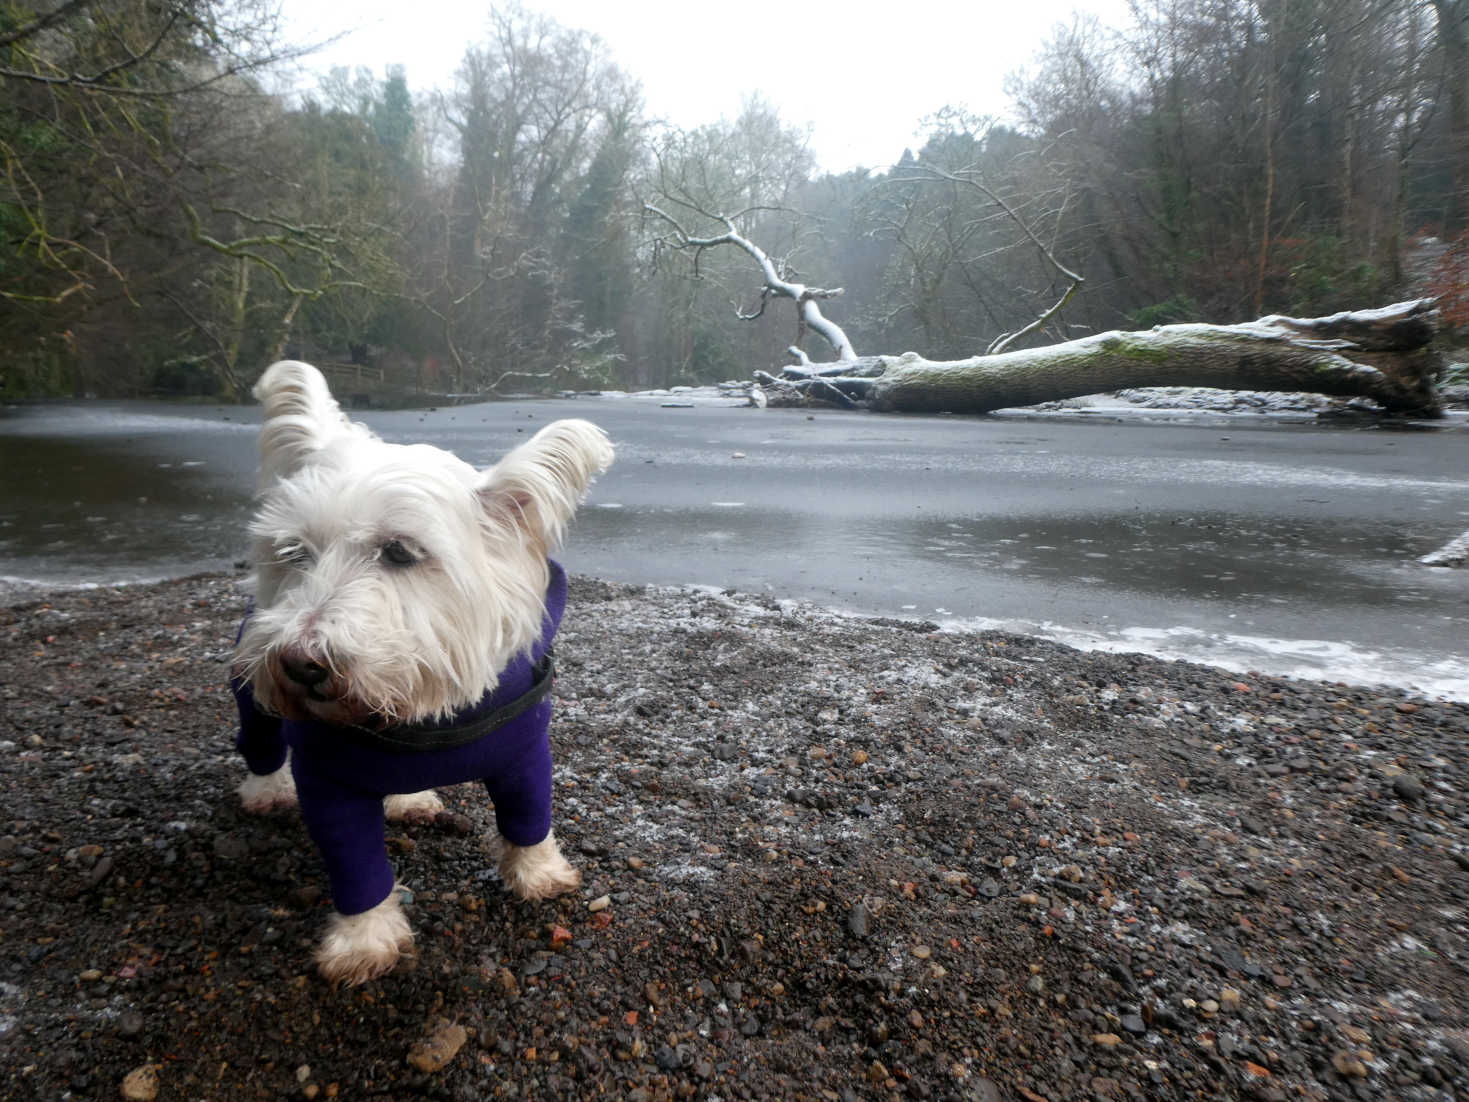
(808, 313)
(971, 179)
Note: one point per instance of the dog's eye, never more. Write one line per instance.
(398, 554)
(297, 554)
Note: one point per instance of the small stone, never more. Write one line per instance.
(859, 757)
(129, 1023)
(303, 1073)
(141, 1084)
(1356, 1034)
(506, 982)
(310, 1091)
(434, 1052)
(635, 863)
(1134, 1024)
(91, 975)
(1106, 1040)
(858, 921)
(1229, 1000)
(99, 872)
(601, 903)
(915, 1019)
(922, 952)
(1408, 787)
(1348, 1066)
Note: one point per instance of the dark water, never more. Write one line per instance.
(1286, 548)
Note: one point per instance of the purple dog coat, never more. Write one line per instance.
(342, 773)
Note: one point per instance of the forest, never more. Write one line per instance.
(171, 224)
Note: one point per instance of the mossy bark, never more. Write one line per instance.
(1382, 355)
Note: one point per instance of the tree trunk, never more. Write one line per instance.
(1378, 354)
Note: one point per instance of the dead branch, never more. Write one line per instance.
(808, 313)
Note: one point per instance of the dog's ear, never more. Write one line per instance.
(537, 487)
(300, 417)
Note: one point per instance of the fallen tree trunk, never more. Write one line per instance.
(1382, 355)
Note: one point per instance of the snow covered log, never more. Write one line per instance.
(1382, 354)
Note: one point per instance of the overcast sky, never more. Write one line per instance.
(862, 78)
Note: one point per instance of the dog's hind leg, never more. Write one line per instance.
(413, 807)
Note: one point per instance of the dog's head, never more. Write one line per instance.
(394, 582)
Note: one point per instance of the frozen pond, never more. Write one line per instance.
(1249, 543)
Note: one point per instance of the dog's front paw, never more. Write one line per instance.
(538, 871)
(262, 794)
(359, 947)
(413, 807)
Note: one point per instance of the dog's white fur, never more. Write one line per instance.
(398, 641)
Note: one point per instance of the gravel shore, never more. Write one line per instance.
(825, 858)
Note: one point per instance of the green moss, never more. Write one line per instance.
(1136, 347)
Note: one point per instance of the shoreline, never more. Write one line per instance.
(1342, 662)
(822, 855)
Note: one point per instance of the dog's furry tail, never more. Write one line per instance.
(301, 416)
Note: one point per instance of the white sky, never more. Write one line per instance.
(860, 74)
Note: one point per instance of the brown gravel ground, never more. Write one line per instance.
(825, 858)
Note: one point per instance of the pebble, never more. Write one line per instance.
(99, 872)
(1348, 1066)
(1408, 787)
(434, 1052)
(130, 1023)
(141, 1084)
(858, 921)
(601, 903)
(1106, 1040)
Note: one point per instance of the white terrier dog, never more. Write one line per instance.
(400, 639)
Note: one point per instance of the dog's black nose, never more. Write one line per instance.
(303, 670)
